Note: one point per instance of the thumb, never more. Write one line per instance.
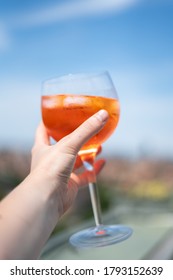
(85, 131)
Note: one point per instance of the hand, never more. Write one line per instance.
(30, 212)
(58, 162)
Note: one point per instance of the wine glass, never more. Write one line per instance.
(67, 102)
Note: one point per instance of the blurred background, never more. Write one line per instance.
(133, 40)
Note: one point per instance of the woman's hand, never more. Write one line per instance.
(30, 212)
(59, 162)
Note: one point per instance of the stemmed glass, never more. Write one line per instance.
(67, 102)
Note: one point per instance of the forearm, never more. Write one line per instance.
(27, 217)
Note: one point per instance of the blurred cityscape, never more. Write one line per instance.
(141, 184)
(137, 192)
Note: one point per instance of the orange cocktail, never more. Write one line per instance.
(62, 114)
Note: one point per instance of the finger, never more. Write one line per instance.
(79, 163)
(85, 131)
(82, 179)
(41, 136)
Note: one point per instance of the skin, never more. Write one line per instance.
(30, 212)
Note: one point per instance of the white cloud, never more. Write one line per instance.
(59, 12)
(73, 9)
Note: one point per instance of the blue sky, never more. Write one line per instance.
(132, 39)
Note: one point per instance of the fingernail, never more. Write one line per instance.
(103, 115)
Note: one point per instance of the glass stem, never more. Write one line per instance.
(94, 194)
(95, 201)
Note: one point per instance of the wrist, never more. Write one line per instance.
(30, 213)
(45, 191)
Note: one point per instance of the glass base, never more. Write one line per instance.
(100, 236)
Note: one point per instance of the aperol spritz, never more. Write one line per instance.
(67, 102)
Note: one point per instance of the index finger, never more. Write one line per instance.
(41, 136)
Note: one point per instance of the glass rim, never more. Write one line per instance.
(97, 83)
(75, 76)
